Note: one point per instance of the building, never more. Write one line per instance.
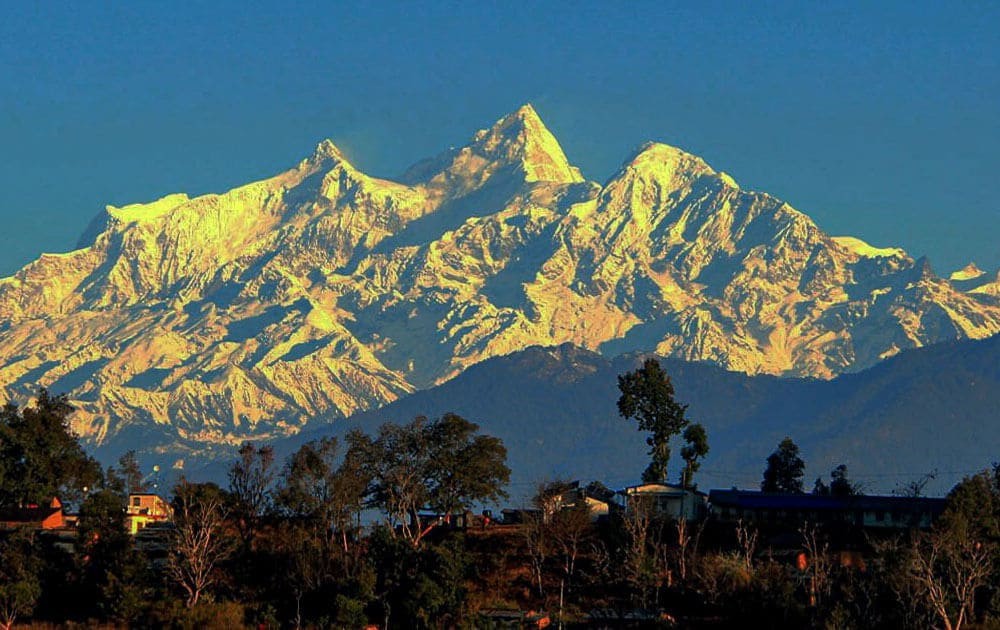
(145, 508)
(34, 516)
(573, 495)
(666, 500)
(877, 512)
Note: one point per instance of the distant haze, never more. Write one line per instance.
(881, 119)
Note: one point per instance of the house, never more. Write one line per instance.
(563, 496)
(34, 516)
(145, 508)
(876, 512)
(666, 500)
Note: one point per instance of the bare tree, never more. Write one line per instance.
(639, 562)
(199, 542)
(818, 563)
(948, 570)
(570, 529)
(688, 538)
(746, 538)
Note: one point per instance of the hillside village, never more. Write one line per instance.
(410, 526)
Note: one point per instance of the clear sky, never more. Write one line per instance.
(879, 120)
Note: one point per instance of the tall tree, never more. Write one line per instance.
(251, 479)
(784, 469)
(131, 472)
(464, 467)
(199, 543)
(40, 457)
(440, 465)
(694, 449)
(315, 489)
(647, 396)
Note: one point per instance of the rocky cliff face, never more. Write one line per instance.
(322, 291)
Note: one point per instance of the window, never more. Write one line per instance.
(136, 502)
(879, 516)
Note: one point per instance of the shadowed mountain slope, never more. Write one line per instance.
(932, 408)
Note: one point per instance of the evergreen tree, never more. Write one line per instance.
(784, 469)
(647, 396)
(840, 485)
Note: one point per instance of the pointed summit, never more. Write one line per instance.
(968, 272)
(517, 145)
(327, 150)
(521, 139)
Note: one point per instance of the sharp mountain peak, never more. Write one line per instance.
(322, 291)
(326, 149)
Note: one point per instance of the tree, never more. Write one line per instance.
(784, 469)
(639, 567)
(20, 585)
(973, 508)
(571, 528)
(840, 485)
(440, 465)
(40, 457)
(818, 568)
(948, 571)
(113, 573)
(199, 543)
(915, 488)
(647, 396)
(696, 448)
(316, 490)
(306, 560)
(250, 481)
(820, 488)
(558, 529)
(464, 467)
(422, 586)
(128, 473)
(950, 565)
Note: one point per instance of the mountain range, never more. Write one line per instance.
(933, 409)
(322, 292)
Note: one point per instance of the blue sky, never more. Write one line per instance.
(879, 120)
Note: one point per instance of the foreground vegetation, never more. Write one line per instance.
(377, 530)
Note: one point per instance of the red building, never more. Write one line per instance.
(34, 516)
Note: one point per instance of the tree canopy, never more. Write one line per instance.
(314, 488)
(441, 465)
(694, 449)
(40, 457)
(784, 469)
(647, 396)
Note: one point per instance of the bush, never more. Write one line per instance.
(204, 616)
